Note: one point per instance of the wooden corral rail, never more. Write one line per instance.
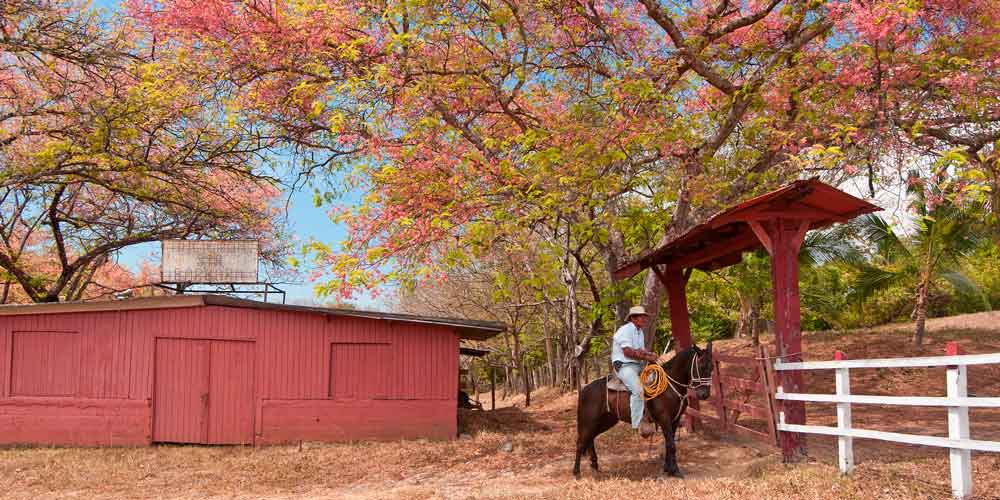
(731, 396)
(958, 403)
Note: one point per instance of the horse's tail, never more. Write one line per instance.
(585, 394)
(579, 397)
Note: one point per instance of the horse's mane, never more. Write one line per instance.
(683, 352)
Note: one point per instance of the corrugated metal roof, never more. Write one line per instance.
(467, 329)
(720, 240)
(472, 351)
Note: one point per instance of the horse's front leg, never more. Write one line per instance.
(670, 452)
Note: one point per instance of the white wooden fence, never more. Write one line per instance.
(957, 401)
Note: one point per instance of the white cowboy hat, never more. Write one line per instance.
(636, 311)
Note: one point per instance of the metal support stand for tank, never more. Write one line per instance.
(267, 291)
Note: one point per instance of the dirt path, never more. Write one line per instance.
(540, 463)
(538, 467)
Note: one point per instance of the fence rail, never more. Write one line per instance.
(922, 362)
(957, 401)
(942, 442)
(891, 400)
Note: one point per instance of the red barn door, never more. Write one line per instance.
(180, 396)
(231, 402)
(203, 392)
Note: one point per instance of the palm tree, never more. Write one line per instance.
(944, 235)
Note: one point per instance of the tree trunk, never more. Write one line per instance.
(560, 373)
(744, 327)
(991, 167)
(755, 326)
(920, 311)
(572, 322)
(519, 366)
(506, 381)
(527, 387)
(472, 380)
(652, 298)
(614, 253)
(653, 290)
(6, 292)
(748, 323)
(549, 351)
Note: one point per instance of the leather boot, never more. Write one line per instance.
(646, 427)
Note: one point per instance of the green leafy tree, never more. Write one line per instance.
(944, 236)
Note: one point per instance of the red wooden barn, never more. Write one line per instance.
(218, 370)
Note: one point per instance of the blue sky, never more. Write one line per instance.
(306, 220)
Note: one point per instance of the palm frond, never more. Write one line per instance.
(961, 282)
(949, 234)
(871, 280)
(874, 229)
(833, 245)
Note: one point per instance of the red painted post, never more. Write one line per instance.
(680, 322)
(952, 348)
(675, 282)
(786, 238)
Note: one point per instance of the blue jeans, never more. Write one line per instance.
(629, 374)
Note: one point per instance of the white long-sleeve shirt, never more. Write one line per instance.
(627, 336)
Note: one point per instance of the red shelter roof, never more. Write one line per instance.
(721, 240)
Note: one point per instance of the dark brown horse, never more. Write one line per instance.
(599, 410)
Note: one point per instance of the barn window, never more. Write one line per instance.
(359, 371)
(45, 364)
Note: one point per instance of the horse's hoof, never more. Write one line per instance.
(675, 473)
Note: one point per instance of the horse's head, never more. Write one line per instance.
(701, 371)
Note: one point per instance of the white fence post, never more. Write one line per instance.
(845, 444)
(958, 428)
(959, 442)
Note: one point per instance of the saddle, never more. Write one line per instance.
(614, 383)
(647, 427)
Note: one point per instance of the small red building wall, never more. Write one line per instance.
(315, 377)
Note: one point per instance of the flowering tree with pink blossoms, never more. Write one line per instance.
(614, 124)
(106, 143)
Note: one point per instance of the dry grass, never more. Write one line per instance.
(543, 436)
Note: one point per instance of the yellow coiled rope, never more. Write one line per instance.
(654, 381)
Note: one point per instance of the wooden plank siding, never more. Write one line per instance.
(411, 381)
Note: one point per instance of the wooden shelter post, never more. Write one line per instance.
(782, 238)
(675, 281)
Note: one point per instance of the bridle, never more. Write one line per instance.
(696, 380)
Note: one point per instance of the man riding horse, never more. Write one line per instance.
(602, 402)
(628, 352)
